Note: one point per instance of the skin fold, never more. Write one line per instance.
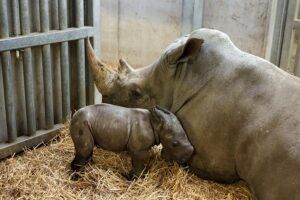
(116, 128)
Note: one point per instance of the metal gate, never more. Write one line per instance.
(290, 53)
(43, 70)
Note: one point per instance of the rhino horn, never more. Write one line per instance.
(124, 67)
(103, 75)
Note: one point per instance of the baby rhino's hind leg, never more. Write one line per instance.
(84, 144)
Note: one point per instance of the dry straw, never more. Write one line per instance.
(44, 173)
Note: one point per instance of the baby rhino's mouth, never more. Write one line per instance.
(166, 156)
(183, 160)
(187, 156)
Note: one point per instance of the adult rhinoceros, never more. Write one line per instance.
(241, 113)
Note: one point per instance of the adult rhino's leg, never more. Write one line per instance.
(199, 168)
(84, 144)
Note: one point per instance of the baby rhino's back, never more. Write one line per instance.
(111, 125)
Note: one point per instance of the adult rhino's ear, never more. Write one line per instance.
(124, 67)
(185, 51)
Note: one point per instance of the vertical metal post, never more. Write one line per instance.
(80, 56)
(28, 71)
(198, 14)
(8, 76)
(20, 88)
(93, 17)
(47, 70)
(64, 57)
(38, 63)
(187, 16)
(276, 31)
(54, 15)
(192, 13)
(16, 17)
(297, 59)
(57, 95)
(3, 126)
(88, 18)
(287, 37)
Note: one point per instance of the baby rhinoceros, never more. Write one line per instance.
(116, 128)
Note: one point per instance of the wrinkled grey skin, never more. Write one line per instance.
(240, 112)
(116, 128)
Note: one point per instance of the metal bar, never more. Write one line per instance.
(96, 22)
(16, 17)
(297, 23)
(19, 74)
(57, 95)
(40, 137)
(88, 17)
(47, 69)
(297, 59)
(28, 71)
(38, 66)
(276, 30)
(8, 76)
(297, 11)
(93, 19)
(54, 15)
(36, 15)
(20, 94)
(38, 39)
(80, 56)
(3, 126)
(9, 96)
(286, 46)
(187, 16)
(64, 57)
(198, 14)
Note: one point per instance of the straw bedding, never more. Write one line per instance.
(44, 173)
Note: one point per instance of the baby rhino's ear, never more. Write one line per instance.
(157, 117)
(162, 110)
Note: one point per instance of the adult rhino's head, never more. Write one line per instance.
(144, 87)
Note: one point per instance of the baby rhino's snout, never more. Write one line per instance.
(188, 152)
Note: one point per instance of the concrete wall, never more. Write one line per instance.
(139, 30)
(246, 22)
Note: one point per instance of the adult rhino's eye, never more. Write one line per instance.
(175, 143)
(136, 93)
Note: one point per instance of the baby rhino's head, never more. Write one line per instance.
(176, 146)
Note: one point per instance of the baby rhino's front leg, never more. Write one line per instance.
(139, 160)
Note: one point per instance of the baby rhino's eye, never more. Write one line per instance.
(175, 143)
